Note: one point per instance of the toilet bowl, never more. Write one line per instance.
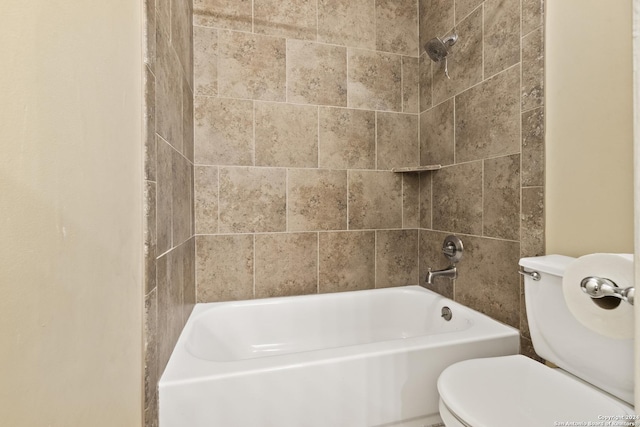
(517, 391)
(593, 386)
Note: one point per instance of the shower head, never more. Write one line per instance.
(439, 49)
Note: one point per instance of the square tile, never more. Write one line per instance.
(286, 264)
(316, 73)
(317, 199)
(347, 22)
(396, 258)
(230, 14)
(374, 80)
(397, 26)
(296, 19)
(410, 84)
(437, 145)
(286, 135)
(501, 35)
(205, 61)
(457, 199)
(251, 66)
(252, 200)
(223, 131)
(224, 266)
(347, 261)
(206, 199)
(375, 200)
(487, 118)
(347, 139)
(397, 140)
(501, 197)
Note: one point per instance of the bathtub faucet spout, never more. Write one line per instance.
(451, 272)
(452, 249)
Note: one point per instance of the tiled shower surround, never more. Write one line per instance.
(301, 108)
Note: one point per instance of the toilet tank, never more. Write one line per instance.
(559, 338)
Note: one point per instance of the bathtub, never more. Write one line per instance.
(352, 359)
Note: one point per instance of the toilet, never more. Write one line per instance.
(592, 384)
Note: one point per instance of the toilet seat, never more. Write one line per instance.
(515, 390)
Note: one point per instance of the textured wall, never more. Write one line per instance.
(486, 127)
(301, 109)
(169, 243)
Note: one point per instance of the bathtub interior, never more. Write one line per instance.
(253, 329)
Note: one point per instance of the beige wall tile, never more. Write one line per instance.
(436, 19)
(457, 198)
(464, 60)
(182, 36)
(347, 139)
(170, 303)
(252, 200)
(410, 200)
(426, 87)
(425, 199)
(286, 135)
(182, 199)
(397, 140)
(223, 131)
(533, 70)
(206, 199)
(317, 199)
(187, 122)
(205, 61)
(151, 374)
(533, 148)
(251, 66)
(164, 196)
(397, 26)
(231, 14)
(149, 236)
(532, 225)
(347, 261)
(224, 266)
(168, 102)
(488, 279)
(286, 264)
(487, 118)
(465, 7)
(187, 262)
(375, 200)
(431, 257)
(293, 19)
(149, 124)
(316, 73)
(437, 135)
(501, 197)
(396, 258)
(532, 15)
(374, 80)
(410, 84)
(347, 22)
(501, 35)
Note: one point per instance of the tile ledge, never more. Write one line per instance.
(417, 169)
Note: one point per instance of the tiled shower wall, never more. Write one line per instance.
(301, 110)
(169, 231)
(486, 127)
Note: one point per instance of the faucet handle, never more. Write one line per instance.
(452, 248)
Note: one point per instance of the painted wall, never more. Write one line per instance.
(71, 213)
(589, 127)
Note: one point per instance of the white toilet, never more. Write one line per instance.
(593, 384)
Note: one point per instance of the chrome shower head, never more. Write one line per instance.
(439, 49)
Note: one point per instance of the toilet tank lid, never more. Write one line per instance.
(551, 264)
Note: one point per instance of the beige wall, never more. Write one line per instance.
(589, 154)
(71, 213)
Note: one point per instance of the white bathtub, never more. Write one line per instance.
(353, 359)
